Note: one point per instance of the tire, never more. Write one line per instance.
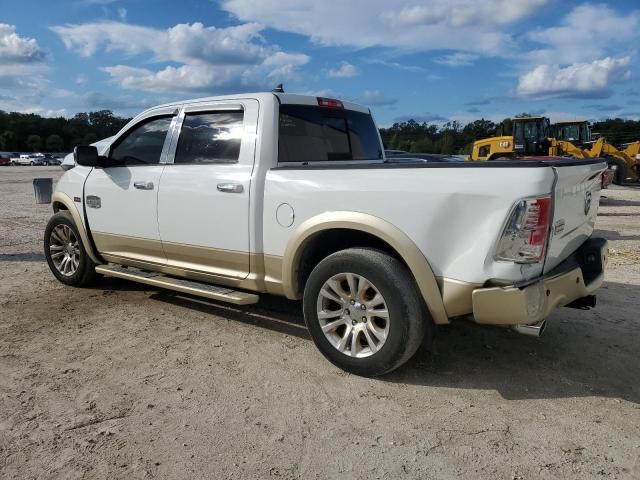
(395, 339)
(31, 163)
(620, 175)
(13, 164)
(62, 240)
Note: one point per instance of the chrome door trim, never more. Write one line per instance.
(169, 148)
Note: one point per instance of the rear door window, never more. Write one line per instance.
(318, 134)
(211, 137)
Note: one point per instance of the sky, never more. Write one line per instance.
(430, 60)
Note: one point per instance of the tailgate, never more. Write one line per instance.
(575, 207)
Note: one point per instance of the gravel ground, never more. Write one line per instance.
(123, 381)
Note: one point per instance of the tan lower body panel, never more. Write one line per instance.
(226, 263)
(129, 247)
(457, 296)
(255, 272)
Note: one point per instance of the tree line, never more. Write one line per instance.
(457, 139)
(28, 132)
(32, 133)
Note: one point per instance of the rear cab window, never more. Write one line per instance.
(309, 133)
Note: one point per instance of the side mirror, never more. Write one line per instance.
(86, 156)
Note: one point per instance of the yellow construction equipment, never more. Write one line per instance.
(535, 136)
(530, 137)
(574, 138)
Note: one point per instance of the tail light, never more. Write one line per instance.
(524, 237)
(329, 102)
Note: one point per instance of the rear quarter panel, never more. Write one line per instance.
(453, 215)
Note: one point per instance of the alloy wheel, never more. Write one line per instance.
(64, 249)
(353, 315)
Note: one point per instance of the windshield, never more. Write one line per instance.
(320, 134)
(574, 133)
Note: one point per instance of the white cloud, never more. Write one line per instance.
(81, 79)
(122, 13)
(458, 59)
(376, 98)
(23, 82)
(461, 13)
(208, 58)
(422, 25)
(580, 79)
(182, 43)
(15, 49)
(345, 70)
(588, 32)
(201, 78)
(86, 39)
(395, 65)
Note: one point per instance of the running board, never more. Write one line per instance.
(222, 294)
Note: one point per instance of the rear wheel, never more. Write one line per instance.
(364, 311)
(65, 253)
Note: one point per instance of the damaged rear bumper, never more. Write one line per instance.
(571, 282)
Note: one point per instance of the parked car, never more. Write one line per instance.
(231, 197)
(26, 159)
(5, 160)
(50, 159)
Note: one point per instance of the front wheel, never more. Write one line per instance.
(364, 311)
(65, 253)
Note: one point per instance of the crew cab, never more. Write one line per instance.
(233, 197)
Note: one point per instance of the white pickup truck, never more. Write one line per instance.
(27, 159)
(273, 193)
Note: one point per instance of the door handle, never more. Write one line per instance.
(143, 185)
(230, 187)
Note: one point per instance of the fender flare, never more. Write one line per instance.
(63, 198)
(385, 231)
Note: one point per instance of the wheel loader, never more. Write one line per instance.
(574, 138)
(535, 136)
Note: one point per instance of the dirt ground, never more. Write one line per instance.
(123, 381)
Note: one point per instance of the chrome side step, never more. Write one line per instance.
(222, 294)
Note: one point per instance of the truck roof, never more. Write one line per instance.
(577, 120)
(286, 98)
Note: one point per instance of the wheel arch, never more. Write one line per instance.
(61, 202)
(386, 235)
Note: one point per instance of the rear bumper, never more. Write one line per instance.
(578, 276)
